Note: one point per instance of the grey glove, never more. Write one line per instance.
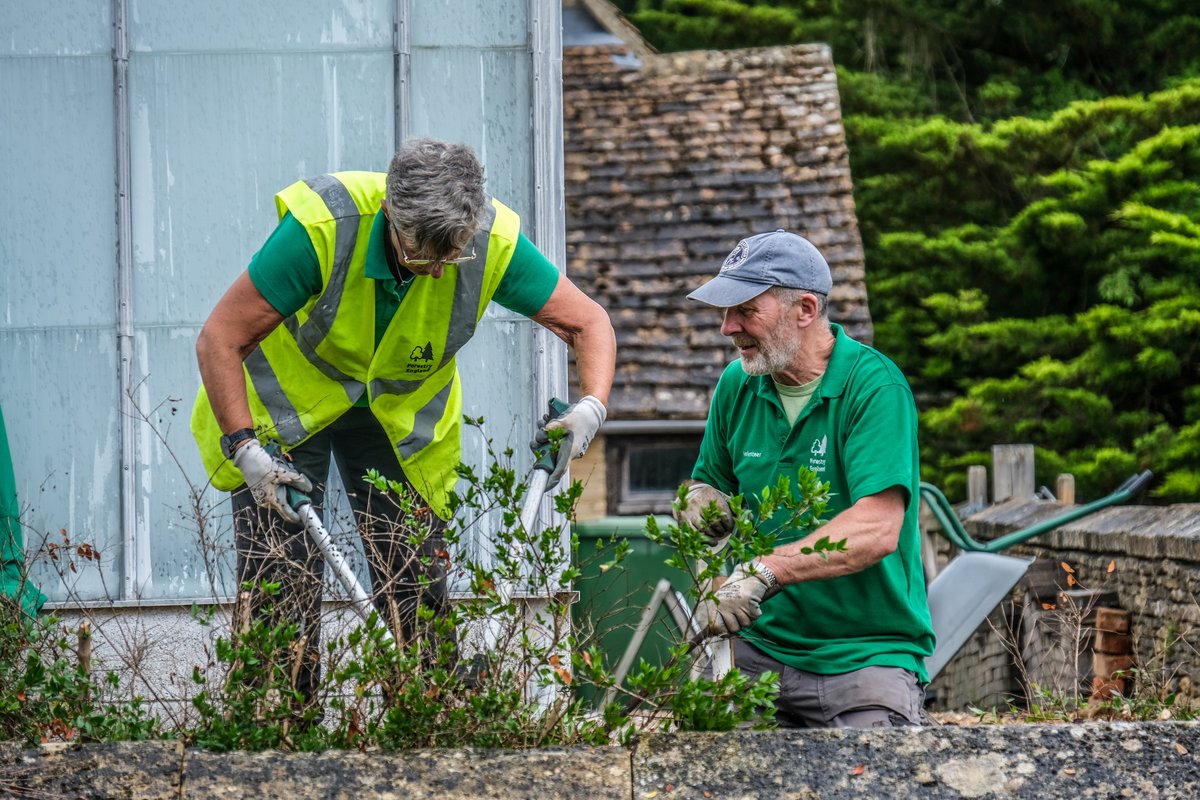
(268, 478)
(699, 498)
(581, 420)
(737, 603)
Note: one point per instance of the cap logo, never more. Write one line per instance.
(737, 257)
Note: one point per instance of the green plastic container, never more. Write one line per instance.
(13, 583)
(611, 602)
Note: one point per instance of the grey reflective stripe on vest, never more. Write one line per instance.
(287, 420)
(464, 309)
(346, 218)
(393, 386)
(309, 336)
(304, 339)
(464, 313)
(424, 422)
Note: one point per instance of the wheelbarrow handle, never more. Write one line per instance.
(1135, 483)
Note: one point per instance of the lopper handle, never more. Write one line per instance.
(545, 459)
(295, 497)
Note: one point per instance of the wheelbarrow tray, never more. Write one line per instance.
(963, 595)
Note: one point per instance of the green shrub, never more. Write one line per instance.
(47, 695)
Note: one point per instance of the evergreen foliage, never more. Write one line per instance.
(1027, 178)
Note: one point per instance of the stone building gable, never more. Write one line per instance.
(670, 160)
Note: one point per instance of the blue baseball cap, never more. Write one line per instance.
(771, 259)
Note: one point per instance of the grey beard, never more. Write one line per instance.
(772, 357)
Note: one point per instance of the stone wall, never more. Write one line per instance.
(1034, 761)
(1140, 559)
(591, 469)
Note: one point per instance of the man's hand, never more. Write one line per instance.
(580, 422)
(268, 478)
(736, 604)
(700, 498)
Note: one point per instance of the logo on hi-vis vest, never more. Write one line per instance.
(420, 354)
(819, 446)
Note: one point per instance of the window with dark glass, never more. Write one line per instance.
(648, 471)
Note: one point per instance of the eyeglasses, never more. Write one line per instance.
(425, 262)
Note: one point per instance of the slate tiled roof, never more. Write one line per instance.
(668, 164)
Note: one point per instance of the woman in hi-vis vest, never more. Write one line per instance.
(339, 340)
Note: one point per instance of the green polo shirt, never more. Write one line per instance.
(286, 272)
(858, 432)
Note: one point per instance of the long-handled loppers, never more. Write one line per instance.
(540, 476)
(359, 599)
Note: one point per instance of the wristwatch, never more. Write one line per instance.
(230, 441)
(766, 572)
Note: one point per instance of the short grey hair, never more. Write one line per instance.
(788, 297)
(435, 195)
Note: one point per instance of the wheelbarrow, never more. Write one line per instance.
(963, 594)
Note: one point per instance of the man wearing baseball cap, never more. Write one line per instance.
(847, 634)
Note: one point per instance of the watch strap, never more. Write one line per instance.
(767, 573)
(230, 441)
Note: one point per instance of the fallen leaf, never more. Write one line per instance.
(563, 675)
(1048, 606)
(1069, 771)
(1071, 580)
(1066, 567)
(707, 793)
(668, 787)
(650, 794)
(859, 770)
(1183, 751)
(1111, 566)
(555, 660)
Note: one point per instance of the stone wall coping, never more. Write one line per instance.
(1171, 531)
(1093, 760)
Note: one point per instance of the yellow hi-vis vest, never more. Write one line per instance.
(317, 364)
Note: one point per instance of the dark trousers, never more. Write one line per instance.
(406, 556)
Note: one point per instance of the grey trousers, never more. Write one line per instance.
(871, 697)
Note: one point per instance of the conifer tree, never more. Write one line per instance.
(1027, 177)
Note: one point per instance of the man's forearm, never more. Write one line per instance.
(241, 319)
(871, 528)
(225, 383)
(584, 325)
(595, 356)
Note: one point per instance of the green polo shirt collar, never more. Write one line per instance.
(837, 372)
(377, 266)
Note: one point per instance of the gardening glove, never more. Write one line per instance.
(736, 604)
(581, 420)
(268, 478)
(700, 497)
